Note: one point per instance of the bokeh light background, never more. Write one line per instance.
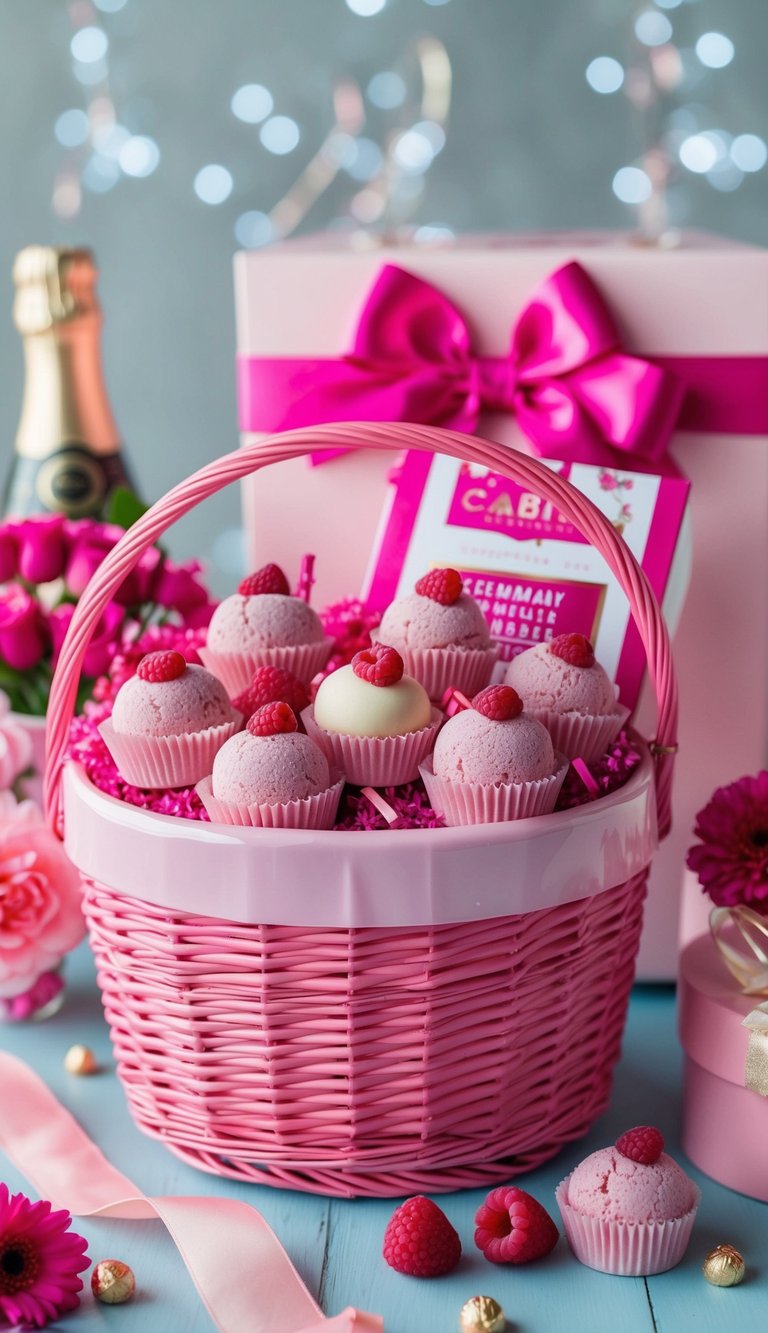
(163, 133)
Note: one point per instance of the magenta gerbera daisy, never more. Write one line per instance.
(732, 859)
(40, 1259)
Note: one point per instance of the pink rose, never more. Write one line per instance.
(104, 641)
(23, 632)
(42, 548)
(178, 589)
(91, 542)
(9, 554)
(607, 481)
(138, 585)
(40, 916)
(15, 746)
(90, 547)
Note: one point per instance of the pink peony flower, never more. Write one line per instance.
(42, 547)
(103, 645)
(40, 1259)
(40, 916)
(9, 554)
(23, 631)
(731, 861)
(15, 746)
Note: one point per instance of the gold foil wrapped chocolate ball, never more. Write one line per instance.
(482, 1314)
(112, 1282)
(724, 1266)
(80, 1060)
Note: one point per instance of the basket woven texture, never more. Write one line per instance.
(368, 1060)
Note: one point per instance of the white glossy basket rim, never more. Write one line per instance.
(330, 878)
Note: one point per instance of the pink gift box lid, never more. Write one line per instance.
(711, 1009)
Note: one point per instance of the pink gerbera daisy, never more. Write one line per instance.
(40, 1259)
(732, 859)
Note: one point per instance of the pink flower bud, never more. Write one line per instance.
(23, 631)
(42, 548)
(9, 554)
(104, 641)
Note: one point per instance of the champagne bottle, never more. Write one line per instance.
(67, 456)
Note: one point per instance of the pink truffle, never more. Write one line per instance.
(191, 702)
(243, 624)
(610, 1186)
(268, 770)
(421, 622)
(545, 681)
(474, 748)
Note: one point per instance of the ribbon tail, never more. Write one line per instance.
(241, 1271)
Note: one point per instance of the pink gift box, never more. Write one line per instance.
(725, 1123)
(705, 298)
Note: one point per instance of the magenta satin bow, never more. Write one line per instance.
(574, 392)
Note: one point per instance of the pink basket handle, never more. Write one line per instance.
(528, 472)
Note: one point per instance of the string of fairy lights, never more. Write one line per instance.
(383, 136)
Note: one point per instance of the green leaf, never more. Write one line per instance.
(123, 507)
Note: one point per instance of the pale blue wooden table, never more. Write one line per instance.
(336, 1245)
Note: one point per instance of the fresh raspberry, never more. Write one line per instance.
(642, 1144)
(268, 579)
(513, 1228)
(441, 585)
(379, 665)
(573, 649)
(499, 702)
(420, 1241)
(157, 667)
(268, 685)
(271, 719)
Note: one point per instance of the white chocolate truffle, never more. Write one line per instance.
(353, 707)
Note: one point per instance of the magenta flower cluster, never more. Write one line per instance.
(731, 859)
(45, 564)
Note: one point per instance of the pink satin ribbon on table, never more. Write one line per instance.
(215, 1237)
(573, 390)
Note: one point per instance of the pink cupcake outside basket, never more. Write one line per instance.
(168, 722)
(628, 1217)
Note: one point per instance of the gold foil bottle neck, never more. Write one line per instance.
(53, 285)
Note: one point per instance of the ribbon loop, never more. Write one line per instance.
(575, 393)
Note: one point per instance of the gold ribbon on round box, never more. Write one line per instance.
(741, 936)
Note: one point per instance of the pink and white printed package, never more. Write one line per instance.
(531, 571)
(588, 349)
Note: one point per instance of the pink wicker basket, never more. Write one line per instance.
(372, 1014)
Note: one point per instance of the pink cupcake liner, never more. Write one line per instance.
(492, 803)
(581, 737)
(235, 670)
(167, 761)
(626, 1249)
(317, 812)
(439, 669)
(375, 761)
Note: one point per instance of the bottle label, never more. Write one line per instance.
(72, 481)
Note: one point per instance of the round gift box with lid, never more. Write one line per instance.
(370, 1013)
(725, 1123)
